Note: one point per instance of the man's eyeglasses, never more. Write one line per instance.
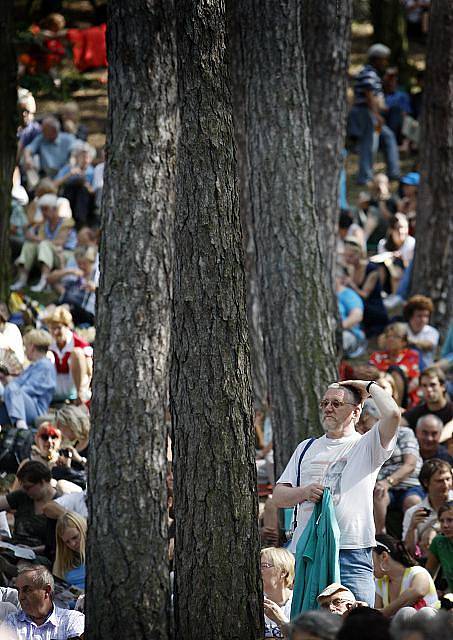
(266, 565)
(335, 404)
(46, 436)
(335, 602)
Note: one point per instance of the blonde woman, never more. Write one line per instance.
(277, 571)
(69, 565)
(74, 424)
(72, 357)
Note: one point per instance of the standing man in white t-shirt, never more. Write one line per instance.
(348, 463)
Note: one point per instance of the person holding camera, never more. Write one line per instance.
(436, 479)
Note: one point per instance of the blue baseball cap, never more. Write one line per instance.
(412, 178)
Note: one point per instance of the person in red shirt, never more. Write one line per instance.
(73, 358)
(403, 363)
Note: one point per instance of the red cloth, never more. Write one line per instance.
(88, 47)
(63, 356)
(408, 360)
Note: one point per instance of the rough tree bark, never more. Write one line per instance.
(326, 28)
(8, 142)
(218, 591)
(433, 273)
(299, 326)
(128, 574)
(254, 314)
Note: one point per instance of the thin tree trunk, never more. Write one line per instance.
(128, 575)
(8, 142)
(299, 327)
(433, 273)
(217, 576)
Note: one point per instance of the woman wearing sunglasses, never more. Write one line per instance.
(47, 444)
(400, 582)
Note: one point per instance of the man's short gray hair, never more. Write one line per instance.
(323, 624)
(354, 393)
(430, 416)
(41, 575)
(54, 122)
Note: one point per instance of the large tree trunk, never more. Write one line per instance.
(8, 142)
(326, 30)
(128, 574)
(299, 326)
(217, 575)
(254, 313)
(433, 273)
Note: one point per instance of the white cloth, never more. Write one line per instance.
(7, 594)
(60, 625)
(430, 521)
(382, 586)
(406, 250)
(271, 630)
(349, 467)
(5, 609)
(428, 333)
(74, 502)
(11, 338)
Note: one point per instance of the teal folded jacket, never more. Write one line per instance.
(317, 563)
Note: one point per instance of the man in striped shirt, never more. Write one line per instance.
(366, 123)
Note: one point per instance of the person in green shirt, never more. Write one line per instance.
(441, 548)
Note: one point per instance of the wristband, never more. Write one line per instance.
(369, 385)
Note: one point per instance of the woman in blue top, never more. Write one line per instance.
(69, 562)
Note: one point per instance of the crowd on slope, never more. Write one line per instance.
(379, 481)
(357, 531)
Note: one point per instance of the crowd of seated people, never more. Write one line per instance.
(45, 377)
(390, 337)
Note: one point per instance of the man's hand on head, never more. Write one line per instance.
(360, 385)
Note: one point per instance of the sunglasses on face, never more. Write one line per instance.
(46, 437)
(335, 602)
(335, 404)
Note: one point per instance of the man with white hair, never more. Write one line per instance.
(348, 464)
(39, 617)
(51, 146)
(366, 117)
(428, 431)
(45, 244)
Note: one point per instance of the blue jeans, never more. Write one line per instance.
(17, 405)
(356, 573)
(361, 127)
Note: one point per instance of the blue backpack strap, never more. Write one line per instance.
(304, 451)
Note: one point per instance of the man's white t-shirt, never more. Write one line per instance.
(349, 467)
